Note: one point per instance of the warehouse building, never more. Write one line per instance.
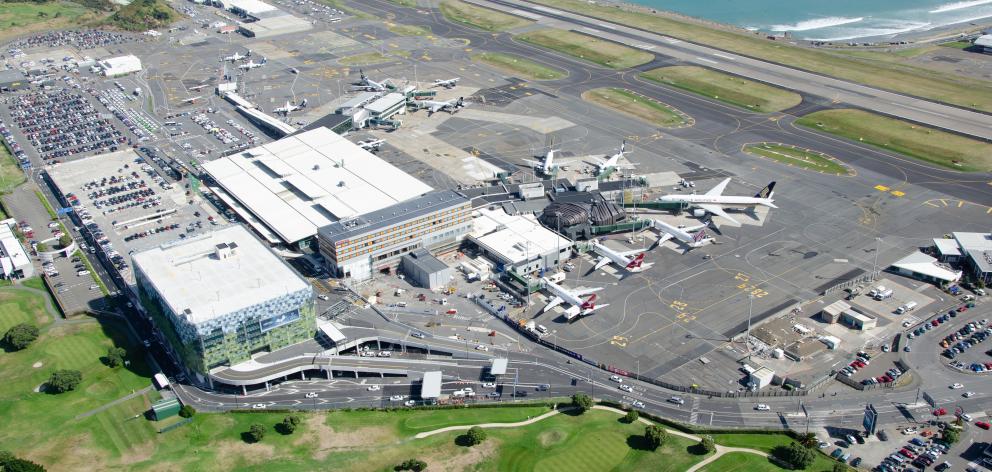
(222, 297)
(385, 107)
(423, 269)
(376, 241)
(518, 242)
(121, 65)
(925, 267)
(246, 8)
(13, 258)
(275, 24)
(289, 188)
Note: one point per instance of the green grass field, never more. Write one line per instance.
(519, 66)
(11, 174)
(587, 48)
(899, 76)
(957, 44)
(364, 59)
(766, 443)
(21, 18)
(742, 462)
(479, 17)
(641, 107)
(408, 30)
(925, 144)
(743, 93)
(798, 157)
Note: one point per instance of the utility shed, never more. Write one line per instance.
(431, 386)
(832, 312)
(761, 378)
(166, 408)
(426, 270)
(858, 320)
(498, 367)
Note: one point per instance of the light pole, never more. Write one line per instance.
(558, 238)
(747, 337)
(874, 266)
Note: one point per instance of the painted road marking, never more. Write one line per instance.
(960, 203)
(707, 60)
(881, 188)
(725, 57)
(898, 193)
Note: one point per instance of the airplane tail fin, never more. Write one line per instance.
(636, 263)
(699, 236)
(590, 303)
(766, 192)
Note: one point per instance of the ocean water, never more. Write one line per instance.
(832, 20)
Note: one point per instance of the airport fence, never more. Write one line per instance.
(861, 279)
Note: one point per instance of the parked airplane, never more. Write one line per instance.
(433, 106)
(288, 107)
(714, 201)
(622, 259)
(369, 85)
(578, 306)
(448, 83)
(192, 99)
(236, 57)
(198, 87)
(691, 237)
(251, 64)
(546, 166)
(371, 144)
(613, 162)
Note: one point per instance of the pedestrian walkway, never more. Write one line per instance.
(115, 402)
(490, 425)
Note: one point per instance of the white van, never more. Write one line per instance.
(906, 308)
(542, 329)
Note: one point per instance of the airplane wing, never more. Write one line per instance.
(601, 262)
(718, 190)
(585, 291)
(718, 211)
(633, 253)
(664, 238)
(533, 163)
(553, 303)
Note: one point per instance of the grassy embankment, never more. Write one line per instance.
(588, 48)
(408, 30)
(929, 145)
(519, 66)
(480, 17)
(729, 89)
(898, 76)
(142, 15)
(17, 18)
(798, 157)
(638, 106)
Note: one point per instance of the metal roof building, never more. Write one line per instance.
(309, 180)
(274, 25)
(426, 270)
(518, 242)
(924, 267)
(121, 65)
(431, 386)
(247, 7)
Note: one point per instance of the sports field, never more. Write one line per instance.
(930, 145)
(733, 90)
(587, 48)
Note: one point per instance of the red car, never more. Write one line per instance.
(940, 412)
(982, 424)
(907, 453)
(935, 322)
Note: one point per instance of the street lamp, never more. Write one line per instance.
(874, 266)
(747, 337)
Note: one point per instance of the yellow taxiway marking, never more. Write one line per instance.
(898, 193)
(881, 188)
(960, 203)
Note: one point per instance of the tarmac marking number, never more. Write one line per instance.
(678, 305)
(685, 317)
(619, 341)
(881, 188)
(898, 193)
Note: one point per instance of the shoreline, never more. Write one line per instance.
(948, 32)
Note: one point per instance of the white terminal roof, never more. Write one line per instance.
(515, 238)
(921, 263)
(189, 274)
(251, 7)
(298, 184)
(947, 247)
(984, 40)
(121, 64)
(13, 252)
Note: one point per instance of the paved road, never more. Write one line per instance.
(911, 108)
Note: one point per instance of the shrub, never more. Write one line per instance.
(796, 455)
(655, 435)
(951, 435)
(476, 435)
(416, 465)
(115, 356)
(582, 401)
(20, 336)
(63, 381)
(706, 444)
(631, 417)
(256, 432)
(187, 411)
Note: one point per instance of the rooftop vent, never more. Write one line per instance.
(224, 250)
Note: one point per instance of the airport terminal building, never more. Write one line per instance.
(222, 297)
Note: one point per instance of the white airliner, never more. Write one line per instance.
(369, 85)
(192, 99)
(371, 144)
(434, 106)
(631, 261)
(546, 166)
(578, 306)
(691, 237)
(714, 201)
(236, 57)
(613, 162)
(447, 83)
(289, 107)
(251, 64)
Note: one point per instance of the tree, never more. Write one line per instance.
(187, 411)
(582, 401)
(656, 436)
(416, 465)
(20, 336)
(65, 240)
(476, 435)
(631, 417)
(706, 444)
(951, 435)
(809, 440)
(838, 467)
(10, 463)
(115, 356)
(796, 455)
(256, 432)
(63, 381)
(41, 247)
(289, 424)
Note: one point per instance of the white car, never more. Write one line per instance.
(626, 388)
(968, 394)
(762, 407)
(323, 297)
(258, 406)
(489, 385)
(637, 404)
(312, 395)
(397, 398)
(616, 378)
(410, 403)
(909, 431)
(956, 386)
(375, 388)
(966, 417)
(482, 347)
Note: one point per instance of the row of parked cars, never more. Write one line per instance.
(918, 452)
(979, 331)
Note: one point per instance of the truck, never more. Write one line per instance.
(910, 306)
(885, 294)
(161, 381)
(877, 290)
